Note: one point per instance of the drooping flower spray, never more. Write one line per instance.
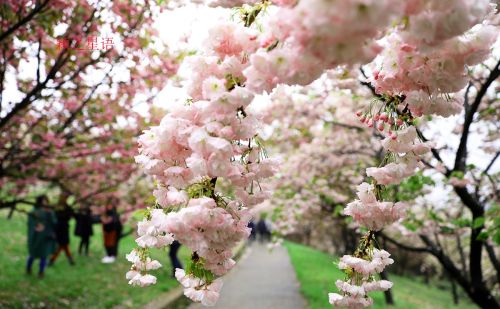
(212, 136)
(417, 74)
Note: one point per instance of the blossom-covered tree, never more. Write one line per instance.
(417, 53)
(324, 148)
(463, 235)
(71, 73)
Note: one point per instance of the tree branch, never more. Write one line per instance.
(403, 246)
(38, 60)
(493, 259)
(38, 8)
(461, 157)
(491, 162)
(344, 125)
(61, 60)
(434, 151)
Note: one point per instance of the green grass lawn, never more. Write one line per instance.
(317, 274)
(88, 284)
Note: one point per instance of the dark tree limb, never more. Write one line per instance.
(38, 8)
(487, 169)
(29, 98)
(493, 259)
(39, 62)
(461, 252)
(461, 157)
(434, 151)
(345, 125)
(404, 246)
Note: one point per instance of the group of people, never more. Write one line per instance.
(260, 230)
(49, 231)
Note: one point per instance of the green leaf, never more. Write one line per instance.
(339, 209)
(139, 214)
(471, 166)
(457, 174)
(411, 226)
(478, 222)
(496, 237)
(446, 230)
(482, 236)
(434, 216)
(462, 222)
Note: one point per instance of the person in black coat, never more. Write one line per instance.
(263, 230)
(64, 213)
(176, 263)
(112, 230)
(253, 231)
(83, 229)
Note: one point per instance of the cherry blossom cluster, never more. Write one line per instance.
(300, 42)
(197, 289)
(370, 212)
(357, 289)
(404, 67)
(432, 22)
(210, 137)
(407, 144)
(361, 270)
(380, 259)
(140, 265)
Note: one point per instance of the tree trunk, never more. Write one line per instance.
(426, 276)
(479, 293)
(387, 294)
(389, 300)
(454, 292)
(476, 290)
(11, 212)
(483, 298)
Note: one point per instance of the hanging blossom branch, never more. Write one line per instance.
(410, 81)
(211, 137)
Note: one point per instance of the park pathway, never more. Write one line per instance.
(262, 279)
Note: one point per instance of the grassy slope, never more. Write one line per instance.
(89, 284)
(317, 275)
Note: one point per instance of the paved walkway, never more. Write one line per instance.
(261, 280)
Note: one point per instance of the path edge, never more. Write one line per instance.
(168, 298)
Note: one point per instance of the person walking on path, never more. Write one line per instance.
(64, 213)
(41, 234)
(84, 229)
(263, 230)
(253, 231)
(172, 253)
(112, 228)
